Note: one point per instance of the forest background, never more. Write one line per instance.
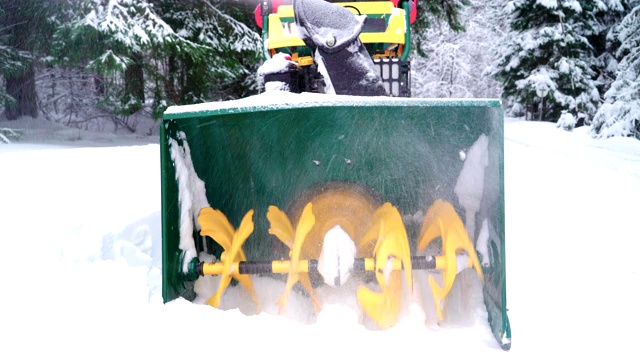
(108, 65)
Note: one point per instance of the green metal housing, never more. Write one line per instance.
(409, 151)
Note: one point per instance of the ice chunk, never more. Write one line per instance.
(337, 257)
(191, 194)
(470, 184)
(482, 244)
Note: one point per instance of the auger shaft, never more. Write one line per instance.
(283, 266)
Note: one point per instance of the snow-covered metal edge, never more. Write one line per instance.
(276, 100)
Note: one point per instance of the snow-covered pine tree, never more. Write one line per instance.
(545, 64)
(110, 40)
(620, 114)
(435, 11)
(170, 51)
(607, 13)
(225, 65)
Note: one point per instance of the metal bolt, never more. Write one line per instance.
(331, 41)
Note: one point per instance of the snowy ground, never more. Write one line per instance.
(80, 260)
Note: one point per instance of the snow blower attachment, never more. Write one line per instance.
(330, 189)
(275, 184)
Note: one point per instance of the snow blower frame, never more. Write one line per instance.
(240, 163)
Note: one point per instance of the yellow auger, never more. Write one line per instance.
(281, 227)
(391, 256)
(215, 224)
(392, 243)
(442, 221)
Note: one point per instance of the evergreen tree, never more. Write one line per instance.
(25, 29)
(12, 61)
(546, 63)
(228, 56)
(112, 38)
(433, 12)
(620, 114)
(172, 51)
(606, 14)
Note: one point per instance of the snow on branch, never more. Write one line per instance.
(541, 81)
(620, 114)
(243, 38)
(133, 23)
(109, 61)
(6, 135)
(629, 32)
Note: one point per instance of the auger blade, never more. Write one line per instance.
(215, 224)
(384, 307)
(442, 221)
(393, 244)
(281, 227)
(237, 254)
